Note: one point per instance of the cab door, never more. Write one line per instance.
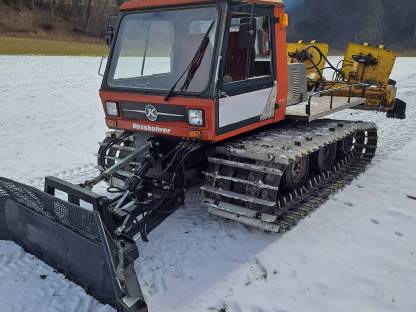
(247, 87)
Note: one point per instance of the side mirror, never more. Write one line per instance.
(112, 24)
(103, 64)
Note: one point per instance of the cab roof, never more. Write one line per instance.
(144, 4)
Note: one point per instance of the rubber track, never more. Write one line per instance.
(319, 190)
(287, 144)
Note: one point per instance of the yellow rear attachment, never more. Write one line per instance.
(363, 72)
(368, 70)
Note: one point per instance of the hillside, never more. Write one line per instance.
(27, 31)
(25, 22)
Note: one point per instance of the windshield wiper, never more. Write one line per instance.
(145, 48)
(193, 65)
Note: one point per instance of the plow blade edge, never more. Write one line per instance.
(73, 240)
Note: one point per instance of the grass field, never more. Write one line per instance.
(34, 46)
(37, 46)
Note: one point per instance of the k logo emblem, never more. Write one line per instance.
(151, 112)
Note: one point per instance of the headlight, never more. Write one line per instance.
(112, 109)
(196, 117)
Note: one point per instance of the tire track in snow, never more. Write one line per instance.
(75, 175)
(257, 272)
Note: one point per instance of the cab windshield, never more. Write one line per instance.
(154, 49)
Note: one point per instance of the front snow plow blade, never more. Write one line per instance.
(72, 239)
(96, 246)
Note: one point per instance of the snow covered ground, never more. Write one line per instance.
(356, 253)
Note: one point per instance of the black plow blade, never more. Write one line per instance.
(74, 241)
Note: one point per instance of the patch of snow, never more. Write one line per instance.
(355, 253)
(27, 284)
(51, 116)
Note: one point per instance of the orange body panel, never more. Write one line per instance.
(143, 4)
(178, 129)
(281, 66)
(242, 130)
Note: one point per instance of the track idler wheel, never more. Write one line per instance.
(296, 174)
(324, 159)
(112, 152)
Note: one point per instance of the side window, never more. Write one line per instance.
(249, 49)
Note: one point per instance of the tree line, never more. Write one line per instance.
(337, 22)
(87, 17)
